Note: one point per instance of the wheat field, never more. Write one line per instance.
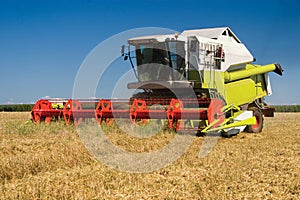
(50, 162)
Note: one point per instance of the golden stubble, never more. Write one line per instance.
(49, 162)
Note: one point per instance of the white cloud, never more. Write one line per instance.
(10, 101)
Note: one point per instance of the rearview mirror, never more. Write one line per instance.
(123, 50)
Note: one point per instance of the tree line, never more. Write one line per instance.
(28, 107)
(287, 108)
(16, 107)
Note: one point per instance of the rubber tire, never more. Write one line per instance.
(256, 128)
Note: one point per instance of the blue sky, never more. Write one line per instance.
(43, 43)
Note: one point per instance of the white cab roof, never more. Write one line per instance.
(212, 33)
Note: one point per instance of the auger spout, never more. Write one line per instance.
(252, 70)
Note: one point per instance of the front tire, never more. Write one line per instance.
(256, 128)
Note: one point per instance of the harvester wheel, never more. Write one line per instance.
(256, 128)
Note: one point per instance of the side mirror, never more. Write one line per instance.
(126, 57)
(123, 50)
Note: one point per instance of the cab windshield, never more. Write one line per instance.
(163, 61)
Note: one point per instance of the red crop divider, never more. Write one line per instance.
(70, 106)
(174, 114)
(43, 110)
(104, 112)
(38, 110)
(214, 112)
(138, 106)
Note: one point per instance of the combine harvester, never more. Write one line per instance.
(204, 79)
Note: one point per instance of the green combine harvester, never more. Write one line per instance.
(204, 80)
(207, 64)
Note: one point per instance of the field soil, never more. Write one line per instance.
(40, 161)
